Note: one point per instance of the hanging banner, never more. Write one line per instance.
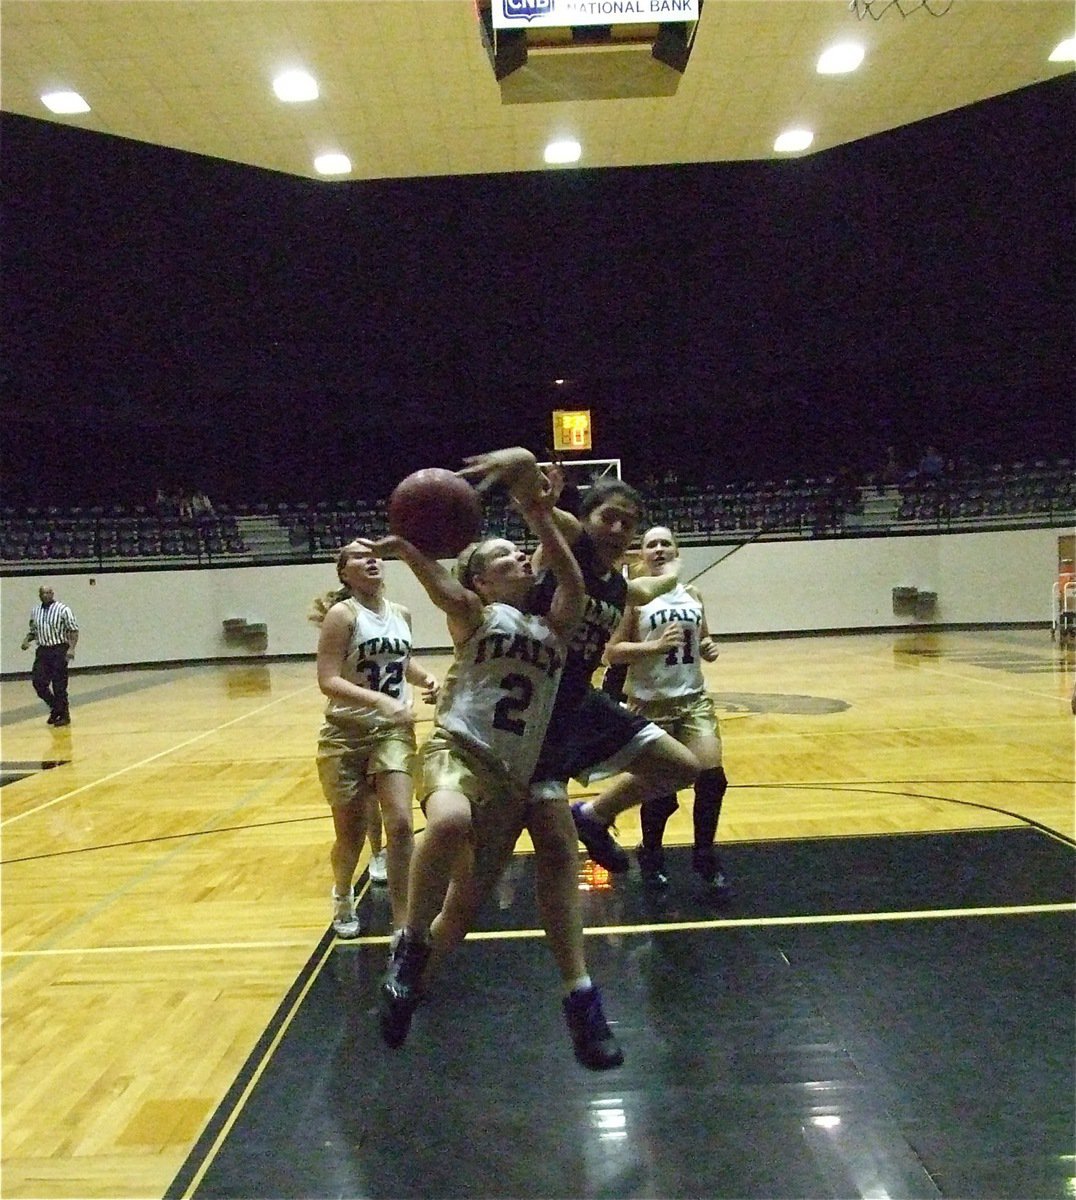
(529, 14)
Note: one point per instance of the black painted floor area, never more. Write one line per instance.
(917, 1057)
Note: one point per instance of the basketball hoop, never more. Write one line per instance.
(876, 9)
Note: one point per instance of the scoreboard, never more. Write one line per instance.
(571, 429)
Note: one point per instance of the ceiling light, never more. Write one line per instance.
(792, 140)
(566, 151)
(294, 86)
(837, 60)
(332, 164)
(1064, 51)
(64, 102)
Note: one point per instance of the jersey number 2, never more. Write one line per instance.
(519, 690)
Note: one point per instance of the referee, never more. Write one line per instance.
(54, 628)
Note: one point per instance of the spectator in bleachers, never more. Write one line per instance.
(891, 472)
(931, 465)
(201, 506)
(166, 503)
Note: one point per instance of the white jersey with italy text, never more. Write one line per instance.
(498, 694)
(678, 672)
(377, 656)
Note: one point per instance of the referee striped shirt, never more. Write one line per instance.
(51, 623)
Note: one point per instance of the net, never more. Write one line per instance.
(876, 9)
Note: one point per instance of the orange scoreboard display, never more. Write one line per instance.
(571, 429)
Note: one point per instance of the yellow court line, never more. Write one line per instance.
(256, 1075)
(749, 922)
(153, 757)
(936, 914)
(488, 935)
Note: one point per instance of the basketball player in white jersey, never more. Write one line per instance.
(367, 743)
(590, 735)
(663, 644)
(476, 767)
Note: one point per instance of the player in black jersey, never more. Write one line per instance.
(589, 733)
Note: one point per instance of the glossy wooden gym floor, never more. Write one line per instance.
(169, 988)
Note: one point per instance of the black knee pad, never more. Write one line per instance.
(653, 816)
(660, 807)
(710, 788)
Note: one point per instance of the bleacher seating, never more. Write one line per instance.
(118, 536)
(1021, 494)
(327, 525)
(1016, 494)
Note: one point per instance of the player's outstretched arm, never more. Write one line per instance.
(644, 588)
(570, 598)
(461, 606)
(516, 468)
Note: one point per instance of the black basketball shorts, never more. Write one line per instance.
(596, 737)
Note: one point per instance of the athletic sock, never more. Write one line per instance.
(654, 816)
(710, 788)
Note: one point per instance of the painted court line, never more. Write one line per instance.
(153, 757)
(488, 935)
(749, 922)
(163, 948)
(252, 1082)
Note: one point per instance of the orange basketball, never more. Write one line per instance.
(436, 511)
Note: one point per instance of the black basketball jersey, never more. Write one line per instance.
(606, 599)
(581, 732)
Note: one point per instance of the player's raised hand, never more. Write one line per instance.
(389, 546)
(511, 467)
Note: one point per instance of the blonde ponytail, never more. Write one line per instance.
(321, 604)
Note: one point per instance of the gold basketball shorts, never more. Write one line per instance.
(348, 759)
(684, 718)
(498, 804)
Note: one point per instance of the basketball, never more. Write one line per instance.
(436, 511)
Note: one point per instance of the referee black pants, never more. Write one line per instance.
(50, 677)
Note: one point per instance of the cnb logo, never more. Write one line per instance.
(527, 10)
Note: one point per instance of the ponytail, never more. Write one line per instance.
(321, 604)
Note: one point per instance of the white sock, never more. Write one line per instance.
(579, 985)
